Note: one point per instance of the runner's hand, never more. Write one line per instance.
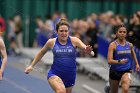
(137, 67)
(28, 69)
(88, 49)
(123, 61)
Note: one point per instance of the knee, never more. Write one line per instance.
(61, 90)
(125, 89)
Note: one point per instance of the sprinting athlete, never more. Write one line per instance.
(120, 54)
(62, 74)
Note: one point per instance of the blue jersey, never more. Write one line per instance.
(122, 52)
(64, 56)
(64, 64)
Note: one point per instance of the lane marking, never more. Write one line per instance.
(18, 86)
(88, 88)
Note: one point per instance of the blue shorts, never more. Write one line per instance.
(68, 78)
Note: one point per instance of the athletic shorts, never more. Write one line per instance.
(117, 75)
(68, 78)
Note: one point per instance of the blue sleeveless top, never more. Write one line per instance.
(122, 52)
(64, 57)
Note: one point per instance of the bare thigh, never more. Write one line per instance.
(125, 82)
(69, 89)
(114, 86)
(56, 83)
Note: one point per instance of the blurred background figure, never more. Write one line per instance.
(134, 30)
(38, 30)
(2, 25)
(18, 31)
(43, 31)
(91, 35)
(11, 37)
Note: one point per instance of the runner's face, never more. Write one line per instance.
(63, 32)
(121, 33)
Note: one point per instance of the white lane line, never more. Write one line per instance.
(18, 86)
(88, 88)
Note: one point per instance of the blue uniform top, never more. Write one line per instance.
(64, 57)
(122, 52)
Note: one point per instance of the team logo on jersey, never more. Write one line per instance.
(124, 52)
(63, 50)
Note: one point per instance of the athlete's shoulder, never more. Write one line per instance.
(131, 45)
(112, 43)
(51, 42)
(74, 38)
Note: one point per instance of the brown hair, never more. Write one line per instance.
(118, 27)
(62, 22)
